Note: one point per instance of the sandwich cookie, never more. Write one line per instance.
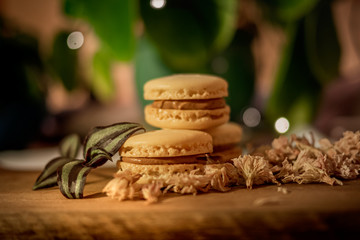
(186, 101)
(162, 153)
(174, 158)
(226, 142)
(167, 146)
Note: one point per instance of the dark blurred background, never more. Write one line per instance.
(67, 66)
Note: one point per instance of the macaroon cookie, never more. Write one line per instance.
(186, 101)
(166, 146)
(165, 152)
(169, 160)
(226, 141)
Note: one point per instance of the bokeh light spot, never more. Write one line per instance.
(282, 125)
(251, 117)
(75, 40)
(157, 3)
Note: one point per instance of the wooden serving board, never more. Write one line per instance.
(308, 211)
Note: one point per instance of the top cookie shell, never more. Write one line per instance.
(167, 143)
(186, 86)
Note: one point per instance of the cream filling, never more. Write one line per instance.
(221, 156)
(186, 115)
(190, 104)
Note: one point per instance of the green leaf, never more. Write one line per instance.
(50, 181)
(302, 109)
(97, 157)
(72, 177)
(99, 147)
(102, 80)
(112, 20)
(226, 14)
(70, 146)
(188, 33)
(109, 138)
(295, 83)
(63, 62)
(48, 177)
(322, 43)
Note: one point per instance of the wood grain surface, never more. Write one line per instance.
(312, 211)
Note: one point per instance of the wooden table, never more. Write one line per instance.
(314, 211)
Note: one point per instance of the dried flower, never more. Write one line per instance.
(254, 170)
(152, 191)
(126, 185)
(344, 155)
(123, 186)
(294, 159)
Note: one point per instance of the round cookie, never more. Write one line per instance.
(186, 86)
(167, 151)
(167, 143)
(226, 134)
(197, 119)
(226, 141)
(186, 101)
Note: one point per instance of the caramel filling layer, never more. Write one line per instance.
(190, 104)
(215, 157)
(166, 160)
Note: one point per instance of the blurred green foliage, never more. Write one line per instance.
(196, 36)
(188, 33)
(63, 62)
(295, 90)
(113, 22)
(309, 61)
(286, 11)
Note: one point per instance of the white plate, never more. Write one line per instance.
(35, 159)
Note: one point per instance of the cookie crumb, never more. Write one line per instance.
(267, 201)
(283, 190)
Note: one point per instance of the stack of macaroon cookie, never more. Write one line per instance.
(192, 150)
(194, 102)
